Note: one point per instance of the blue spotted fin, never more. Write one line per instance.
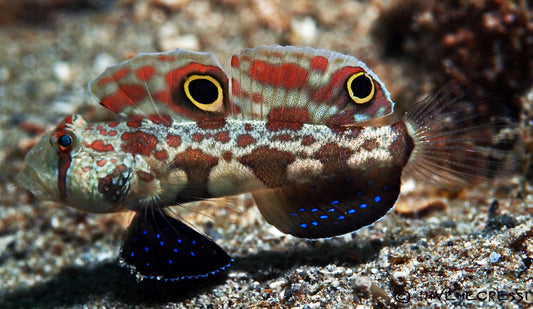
(157, 246)
(330, 207)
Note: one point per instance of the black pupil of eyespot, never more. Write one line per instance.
(361, 86)
(64, 140)
(203, 91)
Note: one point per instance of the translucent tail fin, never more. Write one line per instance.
(461, 138)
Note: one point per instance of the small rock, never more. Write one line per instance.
(4, 74)
(102, 61)
(62, 71)
(399, 278)
(276, 284)
(363, 285)
(303, 31)
(169, 38)
(272, 13)
(494, 257)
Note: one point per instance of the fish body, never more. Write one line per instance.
(313, 135)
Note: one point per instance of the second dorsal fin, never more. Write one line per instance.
(306, 85)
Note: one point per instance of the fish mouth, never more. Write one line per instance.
(34, 182)
(39, 175)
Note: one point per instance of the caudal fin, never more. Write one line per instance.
(460, 138)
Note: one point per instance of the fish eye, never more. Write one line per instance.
(64, 140)
(361, 88)
(204, 91)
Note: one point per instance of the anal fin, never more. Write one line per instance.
(333, 206)
(158, 246)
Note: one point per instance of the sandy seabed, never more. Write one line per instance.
(440, 249)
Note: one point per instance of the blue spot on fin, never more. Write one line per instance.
(282, 207)
(173, 260)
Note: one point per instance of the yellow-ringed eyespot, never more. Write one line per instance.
(361, 87)
(64, 140)
(205, 92)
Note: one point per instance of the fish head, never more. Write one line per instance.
(59, 168)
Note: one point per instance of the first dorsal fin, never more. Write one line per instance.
(306, 85)
(186, 85)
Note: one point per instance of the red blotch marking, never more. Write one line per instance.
(334, 158)
(235, 87)
(85, 169)
(114, 161)
(319, 63)
(161, 155)
(336, 83)
(165, 58)
(113, 124)
(212, 124)
(222, 137)
(337, 123)
(238, 92)
(99, 145)
(370, 144)
(227, 156)
(165, 120)
(269, 165)
(101, 162)
(337, 129)
(68, 119)
(197, 166)
(355, 131)
(138, 142)
(60, 129)
(173, 140)
(99, 127)
(307, 140)
(245, 140)
(118, 75)
(235, 61)
(145, 73)
(198, 137)
(287, 75)
(112, 133)
(63, 166)
(402, 146)
(133, 123)
(257, 98)
(103, 132)
(291, 118)
(283, 137)
(248, 127)
(126, 95)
